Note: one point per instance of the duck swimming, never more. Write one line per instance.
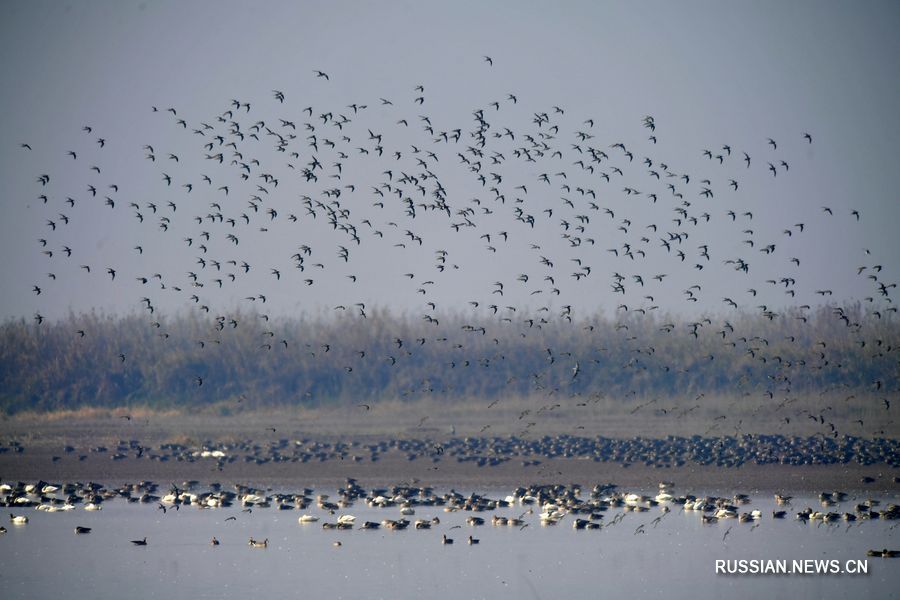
(885, 553)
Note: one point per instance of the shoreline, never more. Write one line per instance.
(697, 479)
(166, 448)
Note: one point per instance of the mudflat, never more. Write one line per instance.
(385, 445)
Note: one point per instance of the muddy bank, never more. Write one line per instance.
(299, 451)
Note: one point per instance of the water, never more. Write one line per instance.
(673, 558)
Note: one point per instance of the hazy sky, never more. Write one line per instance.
(710, 74)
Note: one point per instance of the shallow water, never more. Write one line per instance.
(674, 558)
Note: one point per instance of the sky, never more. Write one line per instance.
(584, 75)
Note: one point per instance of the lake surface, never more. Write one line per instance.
(673, 557)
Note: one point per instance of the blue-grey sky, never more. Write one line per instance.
(711, 74)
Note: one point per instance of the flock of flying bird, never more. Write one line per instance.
(324, 189)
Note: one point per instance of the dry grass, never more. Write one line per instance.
(523, 416)
(92, 413)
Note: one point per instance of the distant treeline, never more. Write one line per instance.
(245, 359)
